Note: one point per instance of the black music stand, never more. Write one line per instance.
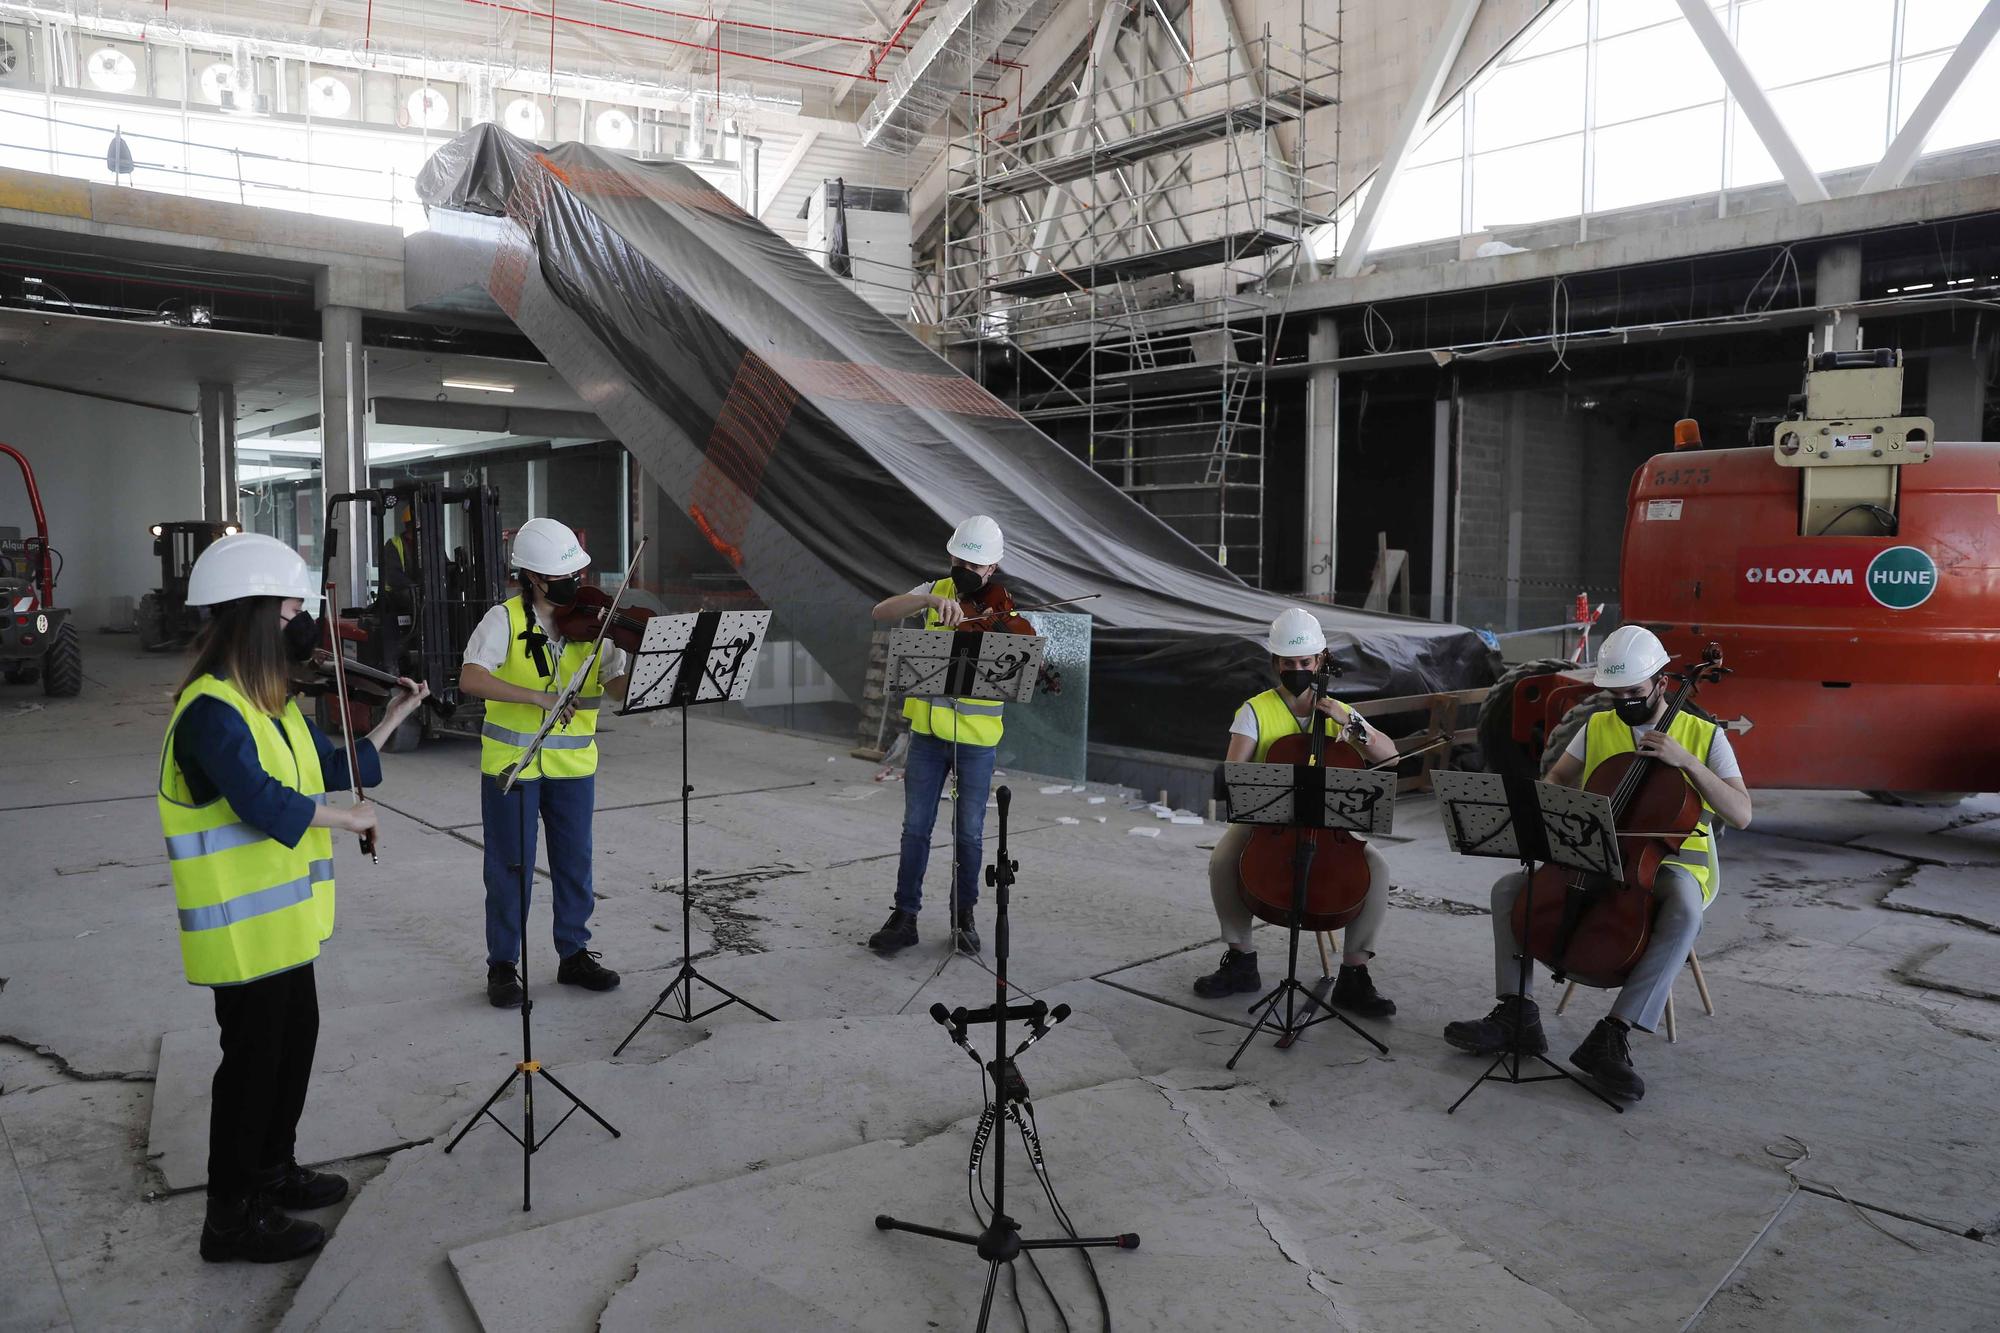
(1357, 800)
(527, 1068)
(1001, 1243)
(1486, 814)
(964, 664)
(684, 660)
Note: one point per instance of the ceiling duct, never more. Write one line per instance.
(939, 68)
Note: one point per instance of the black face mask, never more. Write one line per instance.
(301, 636)
(1635, 712)
(1298, 682)
(563, 591)
(966, 581)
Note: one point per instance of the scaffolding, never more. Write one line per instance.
(1117, 261)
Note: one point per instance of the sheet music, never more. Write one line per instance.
(1479, 821)
(928, 664)
(725, 667)
(1358, 800)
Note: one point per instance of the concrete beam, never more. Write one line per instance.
(489, 418)
(1838, 278)
(217, 419)
(1757, 109)
(793, 159)
(1908, 145)
(1322, 460)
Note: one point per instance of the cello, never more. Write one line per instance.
(1337, 870)
(1592, 929)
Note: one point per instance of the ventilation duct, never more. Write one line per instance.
(939, 67)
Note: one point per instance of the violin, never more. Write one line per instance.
(1337, 876)
(992, 609)
(585, 617)
(1592, 929)
(364, 683)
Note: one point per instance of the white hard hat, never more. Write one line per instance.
(249, 564)
(1632, 655)
(976, 540)
(1297, 633)
(544, 546)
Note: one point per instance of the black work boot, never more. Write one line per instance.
(1494, 1033)
(1237, 975)
(964, 935)
(1354, 991)
(503, 987)
(1606, 1055)
(582, 969)
(251, 1227)
(300, 1190)
(899, 932)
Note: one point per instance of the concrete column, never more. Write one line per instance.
(1517, 451)
(1838, 278)
(1441, 443)
(1957, 397)
(218, 452)
(649, 521)
(343, 433)
(1322, 458)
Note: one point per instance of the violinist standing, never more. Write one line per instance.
(1297, 645)
(518, 661)
(947, 736)
(243, 807)
(1632, 668)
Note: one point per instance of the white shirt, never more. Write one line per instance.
(1721, 758)
(489, 644)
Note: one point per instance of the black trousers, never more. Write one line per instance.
(270, 1028)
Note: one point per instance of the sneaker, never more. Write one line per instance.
(252, 1228)
(1237, 975)
(503, 988)
(300, 1190)
(1606, 1055)
(1492, 1034)
(1355, 992)
(582, 969)
(899, 932)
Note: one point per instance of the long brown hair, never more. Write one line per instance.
(242, 643)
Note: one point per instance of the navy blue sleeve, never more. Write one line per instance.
(218, 754)
(333, 761)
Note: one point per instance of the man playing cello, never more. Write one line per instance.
(1632, 668)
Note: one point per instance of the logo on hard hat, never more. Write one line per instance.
(1902, 577)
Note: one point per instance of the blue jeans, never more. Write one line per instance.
(566, 805)
(923, 784)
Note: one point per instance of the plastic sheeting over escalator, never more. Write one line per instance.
(827, 453)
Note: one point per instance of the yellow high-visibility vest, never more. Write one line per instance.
(954, 721)
(570, 750)
(1606, 735)
(249, 905)
(1275, 721)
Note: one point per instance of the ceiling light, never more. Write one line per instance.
(328, 96)
(429, 109)
(524, 117)
(483, 386)
(113, 70)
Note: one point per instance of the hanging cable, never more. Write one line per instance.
(1559, 324)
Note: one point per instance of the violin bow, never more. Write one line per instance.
(346, 717)
(575, 682)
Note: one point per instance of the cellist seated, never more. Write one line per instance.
(1632, 669)
(1297, 645)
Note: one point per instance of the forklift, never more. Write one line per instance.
(38, 639)
(426, 599)
(164, 620)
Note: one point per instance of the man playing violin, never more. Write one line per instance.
(518, 663)
(1632, 670)
(1298, 649)
(955, 736)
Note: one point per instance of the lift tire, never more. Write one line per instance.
(1575, 720)
(1499, 752)
(1917, 798)
(407, 736)
(62, 664)
(149, 624)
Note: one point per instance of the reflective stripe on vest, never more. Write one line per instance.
(248, 905)
(1275, 721)
(954, 721)
(1606, 735)
(569, 751)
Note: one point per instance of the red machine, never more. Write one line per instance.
(1850, 568)
(38, 640)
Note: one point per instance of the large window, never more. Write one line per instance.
(1611, 104)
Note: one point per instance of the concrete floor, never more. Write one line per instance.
(1819, 1154)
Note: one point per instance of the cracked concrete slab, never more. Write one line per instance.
(1955, 893)
(706, 1291)
(1969, 967)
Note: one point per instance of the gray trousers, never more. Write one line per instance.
(1643, 998)
(1225, 886)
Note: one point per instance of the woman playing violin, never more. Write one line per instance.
(1298, 649)
(518, 661)
(955, 736)
(1632, 668)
